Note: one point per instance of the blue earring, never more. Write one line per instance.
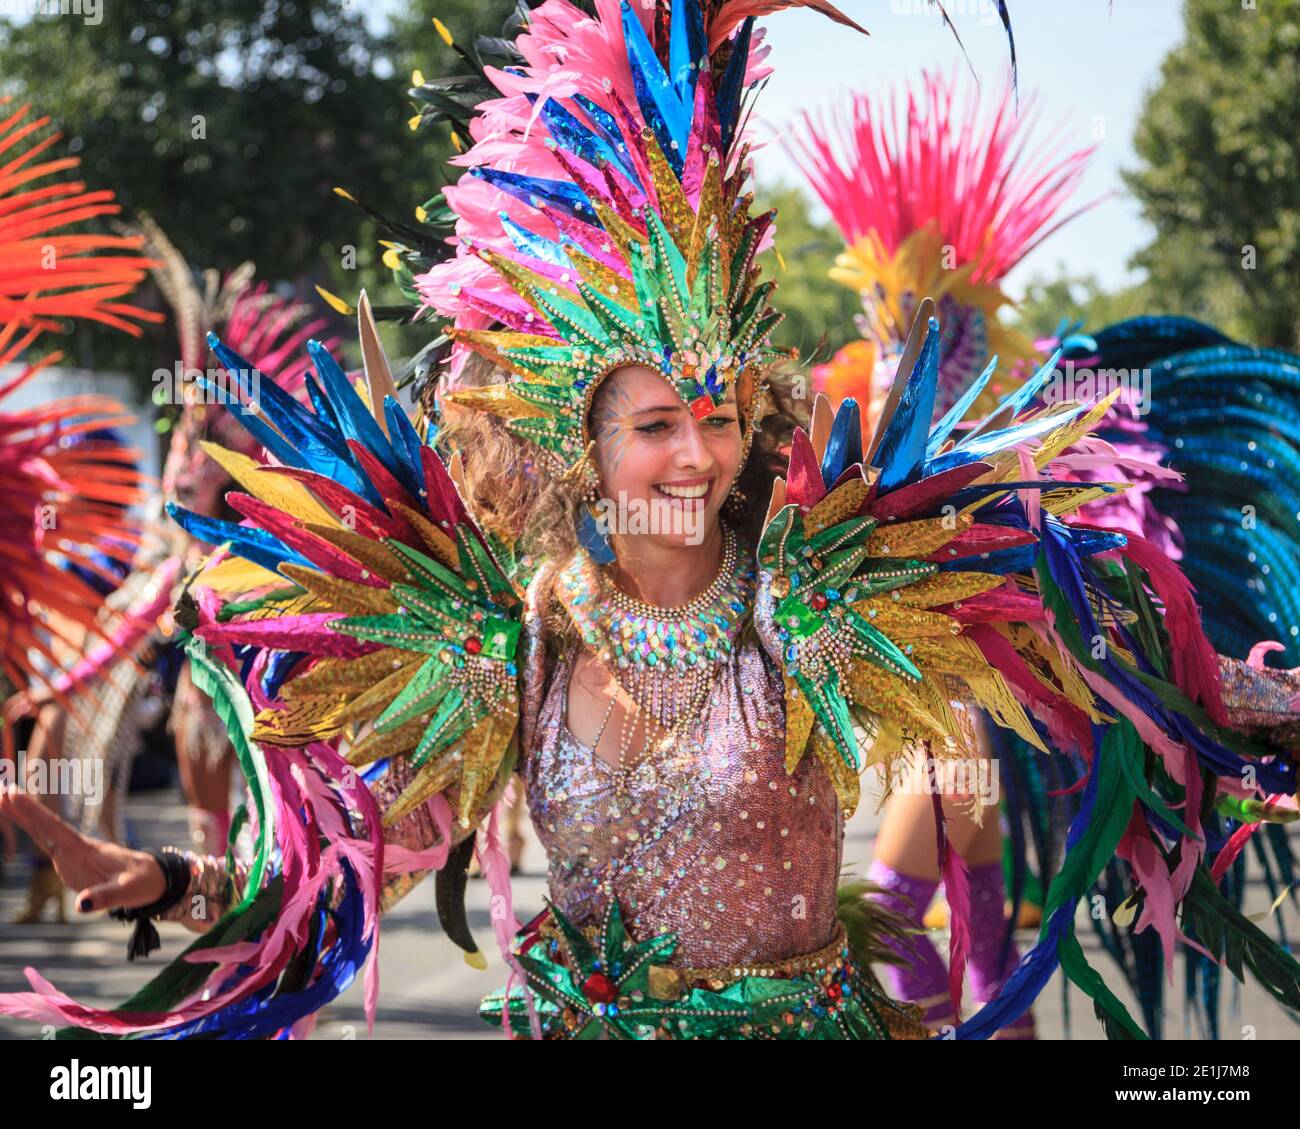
(593, 538)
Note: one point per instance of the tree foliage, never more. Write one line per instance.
(230, 121)
(1220, 179)
(1058, 303)
(815, 308)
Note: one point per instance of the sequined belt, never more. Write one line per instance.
(668, 983)
(785, 969)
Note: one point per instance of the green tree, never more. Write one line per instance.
(230, 121)
(418, 43)
(818, 312)
(1220, 179)
(1054, 301)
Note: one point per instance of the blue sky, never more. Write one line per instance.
(1088, 65)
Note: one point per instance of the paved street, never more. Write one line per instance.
(426, 989)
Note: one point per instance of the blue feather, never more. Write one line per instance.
(660, 103)
(406, 445)
(844, 447)
(958, 411)
(574, 137)
(537, 246)
(253, 544)
(562, 195)
(902, 449)
(733, 79)
(355, 418)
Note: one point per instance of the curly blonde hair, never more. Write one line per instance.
(517, 498)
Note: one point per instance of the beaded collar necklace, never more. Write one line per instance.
(662, 656)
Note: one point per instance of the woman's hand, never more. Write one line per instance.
(26, 703)
(104, 875)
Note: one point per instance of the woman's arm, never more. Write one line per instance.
(1262, 700)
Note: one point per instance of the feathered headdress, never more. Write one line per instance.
(936, 197)
(69, 481)
(47, 272)
(603, 220)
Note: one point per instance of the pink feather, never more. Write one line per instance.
(990, 188)
(956, 887)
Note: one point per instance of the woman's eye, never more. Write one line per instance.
(657, 426)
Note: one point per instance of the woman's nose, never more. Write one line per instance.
(693, 451)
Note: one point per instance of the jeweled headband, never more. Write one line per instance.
(603, 221)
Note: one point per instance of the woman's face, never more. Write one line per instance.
(663, 473)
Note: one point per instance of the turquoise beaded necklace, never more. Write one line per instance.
(660, 655)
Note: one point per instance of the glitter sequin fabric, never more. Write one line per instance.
(712, 841)
(1262, 701)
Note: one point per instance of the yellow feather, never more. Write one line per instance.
(286, 495)
(235, 575)
(1067, 436)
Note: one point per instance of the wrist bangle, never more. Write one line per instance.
(176, 881)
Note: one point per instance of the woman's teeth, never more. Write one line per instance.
(686, 491)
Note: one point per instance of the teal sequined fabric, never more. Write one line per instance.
(612, 987)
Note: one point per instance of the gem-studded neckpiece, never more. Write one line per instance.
(663, 657)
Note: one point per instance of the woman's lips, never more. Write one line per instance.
(699, 501)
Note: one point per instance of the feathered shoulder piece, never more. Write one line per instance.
(357, 560)
(603, 220)
(903, 580)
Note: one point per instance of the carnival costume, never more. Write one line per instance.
(69, 479)
(382, 676)
(935, 195)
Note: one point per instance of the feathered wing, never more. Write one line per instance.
(69, 481)
(1227, 414)
(69, 484)
(373, 576)
(900, 582)
(360, 643)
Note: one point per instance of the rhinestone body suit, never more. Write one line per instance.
(709, 838)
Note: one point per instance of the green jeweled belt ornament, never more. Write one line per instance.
(613, 988)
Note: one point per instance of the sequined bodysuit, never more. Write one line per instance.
(711, 840)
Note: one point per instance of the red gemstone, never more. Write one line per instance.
(473, 644)
(818, 602)
(702, 407)
(835, 991)
(599, 988)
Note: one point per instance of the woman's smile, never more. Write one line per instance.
(687, 493)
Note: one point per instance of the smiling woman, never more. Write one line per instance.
(654, 454)
(662, 476)
(689, 719)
